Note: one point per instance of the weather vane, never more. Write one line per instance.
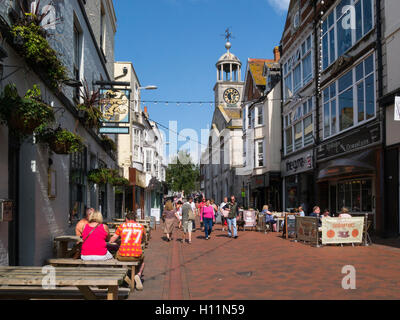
(228, 35)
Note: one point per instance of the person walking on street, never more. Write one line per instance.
(223, 212)
(200, 209)
(194, 209)
(215, 207)
(233, 209)
(170, 215)
(207, 217)
(187, 218)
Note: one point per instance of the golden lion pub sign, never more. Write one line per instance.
(115, 105)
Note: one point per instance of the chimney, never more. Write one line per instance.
(277, 54)
(145, 109)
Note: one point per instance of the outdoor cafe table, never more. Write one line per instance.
(82, 278)
(63, 241)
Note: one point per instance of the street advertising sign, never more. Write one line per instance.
(307, 229)
(155, 212)
(397, 109)
(290, 226)
(115, 105)
(6, 210)
(342, 230)
(249, 217)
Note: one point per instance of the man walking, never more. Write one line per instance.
(187, 218)
(221, 211)
(233, 209)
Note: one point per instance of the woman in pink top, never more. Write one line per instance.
(207, 217)
(94, 236)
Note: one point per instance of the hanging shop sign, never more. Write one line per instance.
(356, 140)
(115, 105)
(342, 230)
(114, 130)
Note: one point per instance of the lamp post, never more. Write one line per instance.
(150, 87)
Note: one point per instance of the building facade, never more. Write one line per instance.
(390, 34)
(299, 112)
(223, 155)
(50, 191)
(262, 133)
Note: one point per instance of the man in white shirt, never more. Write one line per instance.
(190, 200)
(221, 208)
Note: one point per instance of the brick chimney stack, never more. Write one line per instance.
(277, 54)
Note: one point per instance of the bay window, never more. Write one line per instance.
(350, 100)
(299, 127)
(337, 34)
(297, 71)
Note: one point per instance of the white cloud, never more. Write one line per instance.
(279, 5)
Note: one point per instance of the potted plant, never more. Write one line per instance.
(29, 38)
(61, 141)
(24, 114)
(108, 143)
(99, 176)
(89, 108)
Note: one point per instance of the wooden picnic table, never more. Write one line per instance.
(111, 263)
(82, 278)
(62, 243)
(119, 220)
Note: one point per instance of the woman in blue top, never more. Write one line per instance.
(269, 218)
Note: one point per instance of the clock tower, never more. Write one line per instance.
(229, 87)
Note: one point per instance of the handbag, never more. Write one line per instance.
(191, 215)
(78, 247)
(225, 213)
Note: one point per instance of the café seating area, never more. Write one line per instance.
(75, 278)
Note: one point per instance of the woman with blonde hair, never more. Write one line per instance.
(269, 219)
(170, 215)
(344, 213)
(94, 236)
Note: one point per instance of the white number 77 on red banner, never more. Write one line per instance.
(129, 232)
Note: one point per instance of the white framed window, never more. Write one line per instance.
(337, 36)
(298, 131)
(259, 153)
(148, 160)
(350, 101)
(260, 115)
(298, 69)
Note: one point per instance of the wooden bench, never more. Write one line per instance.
(112, 263)
(15, 281)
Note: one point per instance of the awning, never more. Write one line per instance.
(361, 163)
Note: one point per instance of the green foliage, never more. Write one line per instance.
(108, 143)
(99, 176)
(31, 42)
(24, 114)
(106, 175)
(182, 175)
(93, 116)
(61, 141)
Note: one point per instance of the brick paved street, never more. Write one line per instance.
(258, 266)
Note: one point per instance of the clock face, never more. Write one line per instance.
(231, 96)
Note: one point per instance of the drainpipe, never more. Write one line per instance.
(317, 100)
(383, 113)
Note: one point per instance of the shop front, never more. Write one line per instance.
(349, 173)
(134, 193)
(298, 181)
(265, 191)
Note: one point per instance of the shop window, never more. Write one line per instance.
(77, 187)
(356, 195)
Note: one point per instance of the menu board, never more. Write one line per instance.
(290, 225)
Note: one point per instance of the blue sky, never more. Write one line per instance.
(174, 44)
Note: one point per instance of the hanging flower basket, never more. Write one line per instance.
(25, 114)
(99, 176)
(108, 143)
(61, 141)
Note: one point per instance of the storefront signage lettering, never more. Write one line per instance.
(357, 140)
(302, 163)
